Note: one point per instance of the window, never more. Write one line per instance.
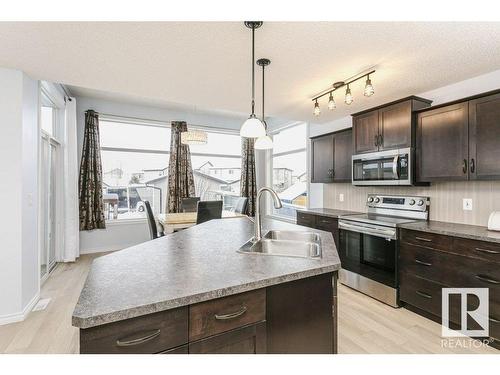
(135, 160)
(289, 176)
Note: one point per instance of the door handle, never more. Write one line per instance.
(395, 167)
(472, 165)
(423, 263)
(381, 139)
(376, 140)
(231, 315)
(422, 294)
(487, 279)
(464, 166)
(141, 340)
(423, 239)
(487, 251)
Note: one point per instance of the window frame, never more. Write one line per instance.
(163, 124)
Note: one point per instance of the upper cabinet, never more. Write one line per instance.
(390, 126)
(459, 141)
(331, 157)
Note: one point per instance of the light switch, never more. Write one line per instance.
(467, 204)
(341, 197)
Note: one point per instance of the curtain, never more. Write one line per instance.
(71, 249)
(90, 194)
(180, 172)
(248, 181)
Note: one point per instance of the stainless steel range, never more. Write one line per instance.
(368, 243)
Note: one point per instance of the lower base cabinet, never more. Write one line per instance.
(294, 317)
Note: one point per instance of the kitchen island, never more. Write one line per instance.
(192, 292)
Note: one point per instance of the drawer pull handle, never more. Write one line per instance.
(487, 279)
(486, 251)
(423, 239)
(423, 263)
(141, 340)
(231, 315)
(422, 294)
(493, 320)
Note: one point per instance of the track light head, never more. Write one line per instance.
(316, 111)
(348, 96)
(369, 90)
(331, 103)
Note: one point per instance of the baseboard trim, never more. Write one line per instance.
(19, 317)
(103, 250)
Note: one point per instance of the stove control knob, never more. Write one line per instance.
(377, 200)
(420, 202)
(370, 199)
(412, 202)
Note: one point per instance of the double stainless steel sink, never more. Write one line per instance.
(285, 243)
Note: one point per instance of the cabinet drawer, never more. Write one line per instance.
(326, 223)
(224, 314)
(435, 241)
(421, 293)
(479, 249)
(150, 334)
(306, 220)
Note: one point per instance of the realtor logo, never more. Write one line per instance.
(478, 315)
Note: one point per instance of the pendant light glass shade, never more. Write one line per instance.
(252, 128)
(331, 103)
(348, 96)
(369, 90)
(194, 137)
(316, 110)
(264, 143)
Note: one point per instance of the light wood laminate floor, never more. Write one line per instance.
(365, 325)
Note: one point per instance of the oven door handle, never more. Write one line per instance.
(395, 167)
(387, 234)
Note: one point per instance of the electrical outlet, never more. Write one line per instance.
(467, 204)
(341, 197)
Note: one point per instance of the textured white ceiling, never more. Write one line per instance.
(207, 64)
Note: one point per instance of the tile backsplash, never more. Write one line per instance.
(446, 199)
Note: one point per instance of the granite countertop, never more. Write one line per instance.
(330, 212)
(474, 232)
(190, 266)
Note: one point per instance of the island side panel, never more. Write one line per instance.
(301, 316)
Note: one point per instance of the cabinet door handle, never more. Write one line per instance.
(493, 320)
(487, 251)
(231, 315)
(472, 165)
(423, 239)
(376, 140)
(141, 340)
(423, 263)
(487, 279)
(422, 294)
(464, 166)
(381, 139)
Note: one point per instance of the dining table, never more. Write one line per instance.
(181, 220)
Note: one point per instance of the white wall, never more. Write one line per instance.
(18, 194)
(121, 235)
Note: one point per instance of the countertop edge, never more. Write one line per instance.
(134, 312)
(336, 215)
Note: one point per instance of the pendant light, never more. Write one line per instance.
(369, 90)
(253, 127)
(331, 103)
(348, 96)
(316, 111)
(265, 142)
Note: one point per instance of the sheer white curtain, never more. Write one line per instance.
(71, 248)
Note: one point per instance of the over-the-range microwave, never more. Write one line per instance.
(391, 167)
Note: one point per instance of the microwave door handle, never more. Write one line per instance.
(395, 167)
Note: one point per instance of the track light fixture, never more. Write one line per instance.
(349, 99)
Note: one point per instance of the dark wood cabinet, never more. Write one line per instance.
(429, 262)
(386, 127)
(331, 157)
(322, 150)
(246, 340)
(484, 138)
(442, 144)
(365, 132)
(459, 140)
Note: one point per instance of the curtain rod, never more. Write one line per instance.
(168, 122)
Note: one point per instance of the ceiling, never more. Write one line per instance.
(207, 64)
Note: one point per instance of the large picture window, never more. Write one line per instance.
(135, 159)
(289, 172)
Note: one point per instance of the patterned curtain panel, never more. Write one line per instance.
(248, 181)
(180, 172)
(90, 181)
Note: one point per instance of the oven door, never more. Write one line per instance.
(369, 252)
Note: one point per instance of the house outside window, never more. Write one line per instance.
(289, 169)
(135, 159)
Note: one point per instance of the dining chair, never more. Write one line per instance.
(153, 229)
(240, 206)
(189, 204)
(208, 210)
